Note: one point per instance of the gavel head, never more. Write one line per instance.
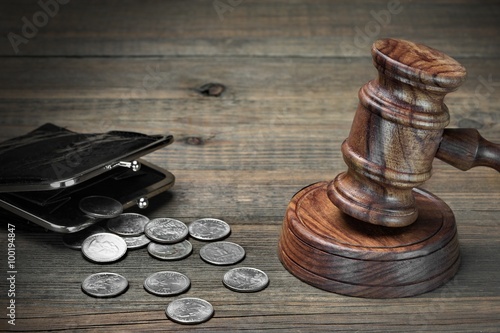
(395, 133)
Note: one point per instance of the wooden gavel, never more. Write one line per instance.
(409, 245)
(397, 131)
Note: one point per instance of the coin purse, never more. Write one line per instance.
(46, 173)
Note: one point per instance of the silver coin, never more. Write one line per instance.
(104, 247)
(104, 285)
(222, 253)
(209, 229)
(100, 207)
(245, 279)
(127, 224)
(166, 230)
(170, 251)
(136, 242)
(75, 240)
(189, 310)
(167, 283)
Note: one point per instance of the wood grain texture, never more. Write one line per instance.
(465, 148)
(253, 28)
(292, 72)
(333, 251)
(395, 132)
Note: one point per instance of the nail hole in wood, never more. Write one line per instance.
(194, 141)
(211, 89)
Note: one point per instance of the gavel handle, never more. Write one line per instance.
(465, 148)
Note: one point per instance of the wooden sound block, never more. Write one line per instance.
(333, 251)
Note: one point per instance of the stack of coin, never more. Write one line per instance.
(167, 239)
(130, 226)
(217, 253)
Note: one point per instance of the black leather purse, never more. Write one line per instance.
(46, 173)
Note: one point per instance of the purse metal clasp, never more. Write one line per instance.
(134, 165)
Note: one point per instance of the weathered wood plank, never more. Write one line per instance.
(292, 72)
(258, 28)
(160, 95)
(177, 77)
(48, 299)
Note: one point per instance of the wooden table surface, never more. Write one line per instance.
(292, 70)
